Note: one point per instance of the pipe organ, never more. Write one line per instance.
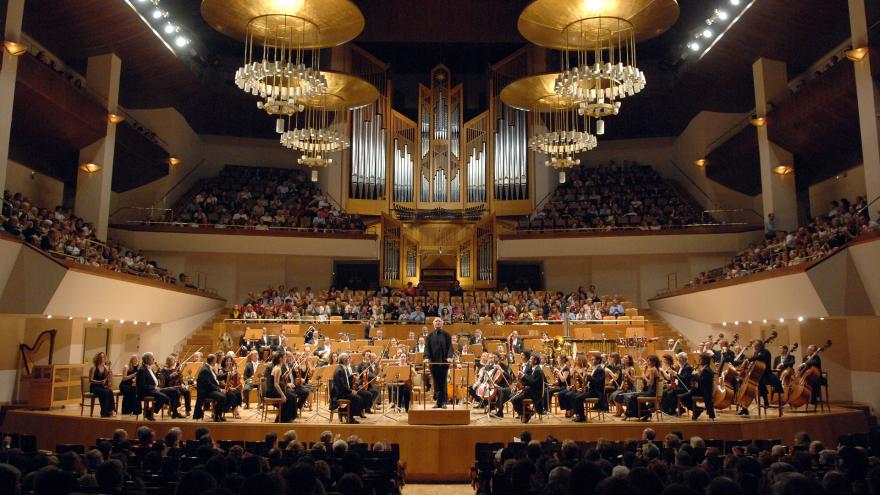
(368, 154)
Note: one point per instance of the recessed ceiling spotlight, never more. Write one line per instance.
(148, 323)
(707, 33)
(69, 317)
(782, 320)
(181, 41)
(169, 28)
(89, 318)
(736, 323)
(765, 321)
(750, 322)
(694, 46)
(722, 15)
(48, 317)
(158, 14)
(734, 2)
(723, 323)
(106, 320)
(135, 322)
(800, 318)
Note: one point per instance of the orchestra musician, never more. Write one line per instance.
(502, 384)
(813, 360)
(763, 355)
(652, 376)
(298, 377)
(438, 352)
(533, 382)
(561, 377)
(784, 360)
(274, 389)
(626, 384)
(101, 384)
(250, 371)
(420, 345)
(341, 388)
(232, 384)
(478, 338)
(702, 383)
(323, 350)
(208, 386)
(516, 345)
(171, 376)
(369, 326)
(681, 378)
(595, 389)
(128, 388)
(380, 336)
(367, 371)
(148, 386)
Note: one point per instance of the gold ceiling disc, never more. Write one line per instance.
(535, 93)
(322, 23)
(544, 22)
(344, 92)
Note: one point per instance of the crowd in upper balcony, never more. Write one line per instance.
(261, 198)
(825, 235)
(615, 196)
(415, 305)
(62, 234)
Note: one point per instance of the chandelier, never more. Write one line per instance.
(281, 63)
(597, 39)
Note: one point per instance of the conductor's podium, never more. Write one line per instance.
(439, 417)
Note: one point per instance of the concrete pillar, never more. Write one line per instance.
(868, 95)
(93, 188)
(778, 193)
(12, 32)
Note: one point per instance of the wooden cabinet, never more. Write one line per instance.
(56, 385)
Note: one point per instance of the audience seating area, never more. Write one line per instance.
(62, 234)
(627, 196)
(146, 464)
(415, 304)
(263, 198)
(822, 237)
(677, 466)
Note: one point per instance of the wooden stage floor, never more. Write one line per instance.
(442, 453)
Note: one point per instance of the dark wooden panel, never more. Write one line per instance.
(736, 163)
(137, 160)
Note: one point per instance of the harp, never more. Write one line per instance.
(28, 352)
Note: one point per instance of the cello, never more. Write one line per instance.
(801, 387)
(751, 377)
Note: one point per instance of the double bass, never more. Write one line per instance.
(785, 376)
(801, 388)
(751, 377)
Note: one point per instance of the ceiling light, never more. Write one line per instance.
(90, 167)
(821, 318)
(722, 15)
(121, 321)
(173, 160)
(158, 14)
(800, 318)
(106, 320)
(69, 317)
(135, 322)
(750, 322)
(694, 46)
(782, 320)
(857, 54)
(148, 323)
(707, 33)
(89, 318)
(115, 118)
(765, 321)
(48, 317)
(14, 48)
(758, 121)
(169, 28)
(181, 41)
(783, 169)
(734, 2)
(723, 323)
(701, 162)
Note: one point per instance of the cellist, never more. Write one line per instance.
(767, 378)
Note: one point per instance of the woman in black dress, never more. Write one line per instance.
(275, 389)
(100, 384)
(130, 402)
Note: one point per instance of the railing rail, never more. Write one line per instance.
(193, 225)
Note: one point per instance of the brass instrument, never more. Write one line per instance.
(556, 346)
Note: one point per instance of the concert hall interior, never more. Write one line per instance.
(420, 246)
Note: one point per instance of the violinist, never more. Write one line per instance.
(341, 388)
(533, 383)
(702, 383)
(130, 402)
(669, 401)
(367, 371)
(561, 377)
(208, 386)
(323, 350)
(595, 389)
(300, 380)
(233, 385)
(250, 370)
(625, 384)
(171, 376)
(565, 398)
(101, 384)
(762, 355)
(681, 378)
(784, 360)
(653, 375)
(274, 389)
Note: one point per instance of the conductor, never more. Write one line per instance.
(438, 352)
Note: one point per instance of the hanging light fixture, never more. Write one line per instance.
(598, 43)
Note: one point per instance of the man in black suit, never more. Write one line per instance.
(703, 381)
(784, 360)
(768, 378)
(148, 386)
(369, 326)
(533, 385)
(595, 390)
(341, 388)
(672, 396)
(209, 388)
(438, 352)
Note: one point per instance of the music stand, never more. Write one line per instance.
(321, 377)
(394, 377)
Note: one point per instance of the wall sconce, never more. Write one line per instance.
(14, 48)
(783, 169)
(89, 167)
(857, 54)
(758, 121)
(701, 162)
(115, 118)
(173, 161)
